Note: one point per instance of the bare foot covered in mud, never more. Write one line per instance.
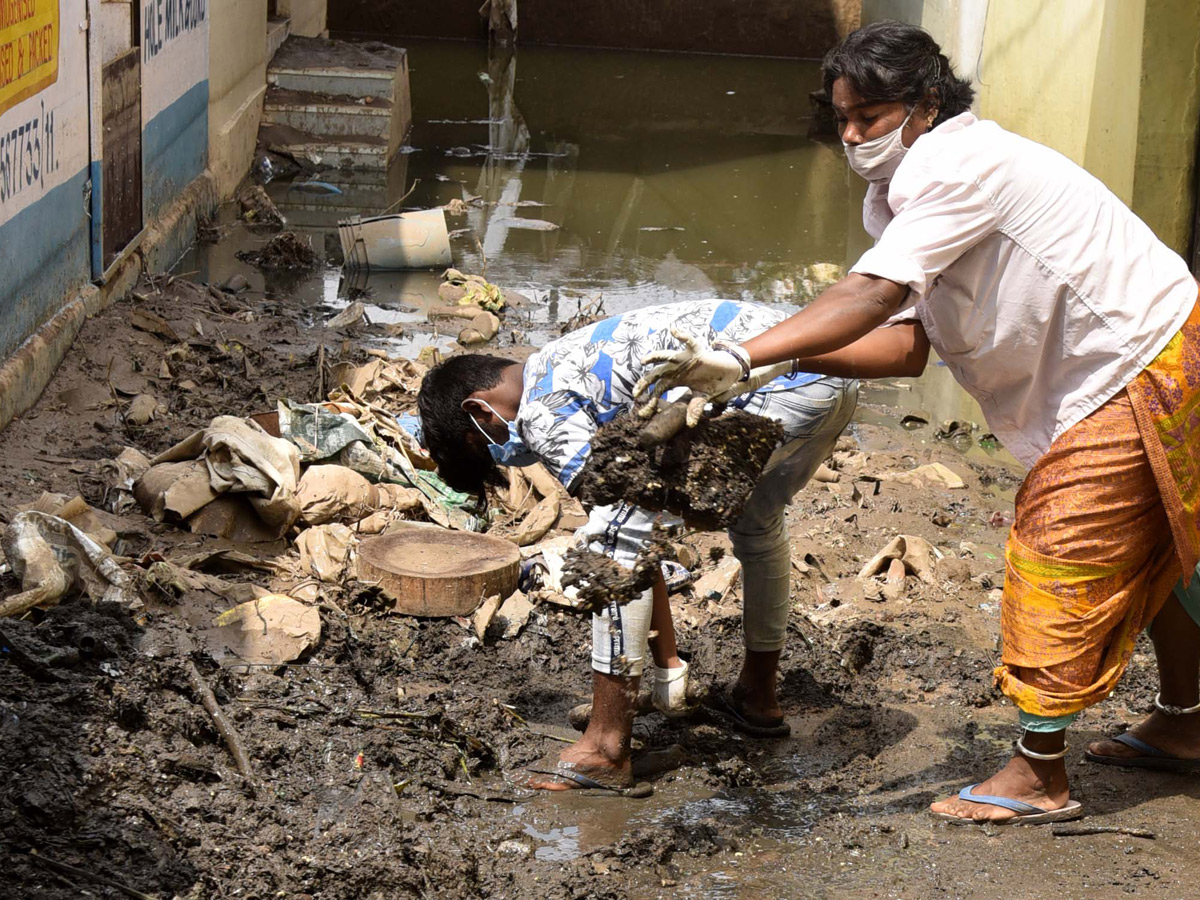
(1040, 784)
(1176, 736)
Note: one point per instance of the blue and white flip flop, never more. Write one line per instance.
(1026, 813)
(1151, 758)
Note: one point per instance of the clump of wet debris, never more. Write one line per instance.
(704, 474)
(599, 581)
(284, 252)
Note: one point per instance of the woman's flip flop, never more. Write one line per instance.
(1026, 813)
(1151, 758)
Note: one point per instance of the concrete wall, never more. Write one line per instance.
(175, 88)
(1112, 84)
(308, 16)
(237, 44)
(44, 170)
(1164, 174)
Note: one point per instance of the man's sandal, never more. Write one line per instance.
(1026, 813)
(726, 708)
(578, 781)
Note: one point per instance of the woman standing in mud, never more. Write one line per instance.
(1079, 334)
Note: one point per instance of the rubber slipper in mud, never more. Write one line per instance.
(726, 708)
(575, 780)
(652, 763)
(1151, 758)
(1026, 813)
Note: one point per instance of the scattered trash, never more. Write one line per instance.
(929, 475)
(286, 251)
(143, 409)
(258, 208)
(461, 289)
(320, 188)
(515, 612)
(412, 240)
(327, 552)
(353, 315)
(152, 323)
(51, 557)
(339, 494)
(268, 630)
(430, 571)
(378, 377)
(716, 583)
(527, 224)
(482, 329)
(913, 422)
(484, 615)
(99, 526)
(232, 456)
(916, 553)
(119, 476)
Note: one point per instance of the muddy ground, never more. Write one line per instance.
(387, 761)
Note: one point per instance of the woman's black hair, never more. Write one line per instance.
(446, 425)
(890, 62)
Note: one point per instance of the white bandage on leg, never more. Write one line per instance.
(669, 690)
(619, 637)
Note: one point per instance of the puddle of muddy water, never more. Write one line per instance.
(668, 177)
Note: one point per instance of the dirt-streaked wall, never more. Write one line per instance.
(797, 28)
(237, 83)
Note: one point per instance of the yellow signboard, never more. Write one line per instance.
(28, 49)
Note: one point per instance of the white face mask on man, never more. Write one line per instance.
(877, 160)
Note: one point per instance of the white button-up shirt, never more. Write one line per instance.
(1043, 293)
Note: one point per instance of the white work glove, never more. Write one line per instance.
(758, 377)
(709, 372)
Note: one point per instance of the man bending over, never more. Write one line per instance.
(480, 411)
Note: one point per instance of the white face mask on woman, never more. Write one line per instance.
(877, 160)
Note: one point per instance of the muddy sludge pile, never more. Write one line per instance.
(703, 474)
(382, 749)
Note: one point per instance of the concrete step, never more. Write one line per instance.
(323, 114)
(347, 82)
(278, 30)
(351, 151)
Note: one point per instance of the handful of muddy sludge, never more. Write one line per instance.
(704, 474)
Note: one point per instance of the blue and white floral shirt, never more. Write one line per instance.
(578, 382)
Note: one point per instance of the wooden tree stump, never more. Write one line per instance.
(432, 571)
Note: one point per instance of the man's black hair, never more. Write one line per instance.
(446, 426)
(889, 62)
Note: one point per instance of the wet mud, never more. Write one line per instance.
(389, 761)
(704, 474)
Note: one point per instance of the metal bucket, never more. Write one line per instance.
(411, 240)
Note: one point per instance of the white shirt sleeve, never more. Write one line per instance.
(934, 225)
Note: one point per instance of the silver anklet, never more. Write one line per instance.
(1169, 710)
(1043, 757)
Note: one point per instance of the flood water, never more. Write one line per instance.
(668, 177)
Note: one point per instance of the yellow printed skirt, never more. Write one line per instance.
(1106, 521)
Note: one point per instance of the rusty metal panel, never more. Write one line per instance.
(121, 177)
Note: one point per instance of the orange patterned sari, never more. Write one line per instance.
(1106, 522)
